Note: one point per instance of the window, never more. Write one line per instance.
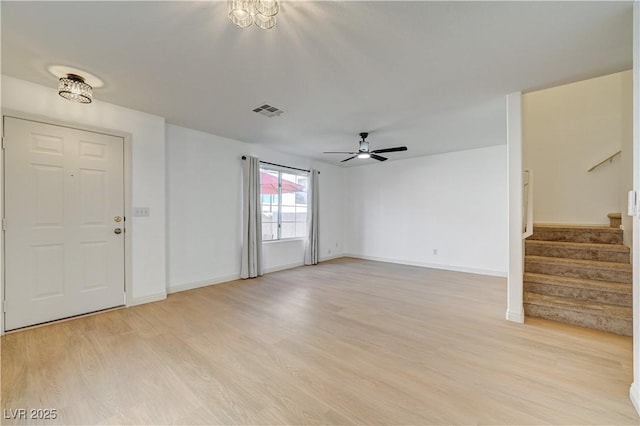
(284, 204)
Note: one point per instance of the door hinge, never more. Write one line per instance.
(3, 142)
(4, 306)
(4, 224)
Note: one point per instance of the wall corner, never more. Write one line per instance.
(515, 311)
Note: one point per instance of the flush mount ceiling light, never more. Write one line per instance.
(244, 13)
(74, 84)
(73, 88)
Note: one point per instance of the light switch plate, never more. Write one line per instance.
(141, 211)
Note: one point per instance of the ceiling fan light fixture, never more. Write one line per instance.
(264, 22)
(267, 7)
(74, 88)
(241, 12)
(365, 152)
(245, 13)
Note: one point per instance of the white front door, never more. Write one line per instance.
(64, 199)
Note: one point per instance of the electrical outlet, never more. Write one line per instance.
(141, 211)
(435, 251)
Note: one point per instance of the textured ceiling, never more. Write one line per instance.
(429, 75)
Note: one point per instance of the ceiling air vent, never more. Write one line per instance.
(268, 110)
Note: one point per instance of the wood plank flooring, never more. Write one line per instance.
(345, 342)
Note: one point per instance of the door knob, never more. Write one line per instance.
(118, 231)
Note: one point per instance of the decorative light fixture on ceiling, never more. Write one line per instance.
(75, 84)
(244, 13)
(73, 88)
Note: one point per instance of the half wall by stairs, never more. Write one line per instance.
(579, 275)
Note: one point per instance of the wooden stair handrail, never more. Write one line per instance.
(609, 158)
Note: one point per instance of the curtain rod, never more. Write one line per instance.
(244, 157)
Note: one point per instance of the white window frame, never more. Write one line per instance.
(280, 171)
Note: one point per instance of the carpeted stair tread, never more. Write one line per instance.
(578, 282)
(613, 293)
(570, 244)
(579, 268)
(579, 275)
(572, 227)
(587, 251)
(579, 234)
(579, 305)
(615, 220)
(597, 316)
(581, 262)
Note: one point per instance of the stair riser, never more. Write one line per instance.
(582, 319)
(576, 271)
(578, 253)
(595, 295)
(578, 235)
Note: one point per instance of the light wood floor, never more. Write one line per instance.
(345, 342)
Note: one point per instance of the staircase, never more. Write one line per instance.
(579, 275)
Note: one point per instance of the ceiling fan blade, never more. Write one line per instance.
(350, 158)
(379, 158)
(396, 149)
(339, 152)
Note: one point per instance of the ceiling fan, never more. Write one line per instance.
(363, 151)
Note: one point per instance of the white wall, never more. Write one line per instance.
(566, 130)
(147, 234)
(455, 203)
(203, 207)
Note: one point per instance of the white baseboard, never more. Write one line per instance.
(219, 280)
(634, 394)
(502, 274)
(333, 256)
(190, 286)
(282, 267)
(516, 316)
(147, 299)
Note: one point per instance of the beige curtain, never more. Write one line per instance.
(251, 261)
(312, 248)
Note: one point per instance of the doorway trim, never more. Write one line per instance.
(515, 309)
(634, 389)
(128, 210)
